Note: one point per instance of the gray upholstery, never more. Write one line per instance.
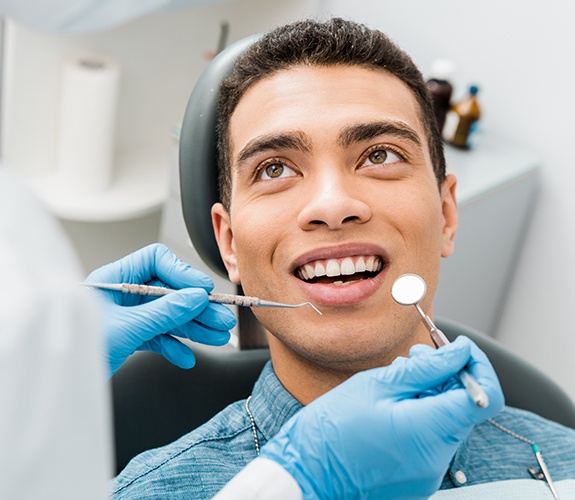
(198, 155)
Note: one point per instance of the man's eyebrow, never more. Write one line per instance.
(270, 142)
(366, 131)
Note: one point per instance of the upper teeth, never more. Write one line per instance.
(340, 267)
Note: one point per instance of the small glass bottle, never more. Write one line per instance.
(440, 88)
(462, 121)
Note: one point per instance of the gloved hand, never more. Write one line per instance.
(137, 322)
(388, 432)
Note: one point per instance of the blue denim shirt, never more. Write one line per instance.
(200, 463)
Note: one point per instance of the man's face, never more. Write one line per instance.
(333, 198)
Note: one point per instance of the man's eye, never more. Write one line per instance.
(381, 157)
(275, 171)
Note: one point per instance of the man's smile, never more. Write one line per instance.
(341, 275)
(342, 271)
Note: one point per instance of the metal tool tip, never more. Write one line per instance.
(314, 308)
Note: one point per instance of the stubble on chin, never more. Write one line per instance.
(344, 351)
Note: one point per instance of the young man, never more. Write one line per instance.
(333, 184)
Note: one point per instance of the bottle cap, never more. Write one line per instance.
(442, 69)
(473, 89)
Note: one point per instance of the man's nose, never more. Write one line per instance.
(333, 200)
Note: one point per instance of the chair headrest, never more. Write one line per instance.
(198, 155)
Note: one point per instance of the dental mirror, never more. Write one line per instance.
(408, 289)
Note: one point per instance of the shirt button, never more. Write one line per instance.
(460, 477)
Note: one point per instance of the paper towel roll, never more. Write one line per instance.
(86, 122)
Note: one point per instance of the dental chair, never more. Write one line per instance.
(155, 402)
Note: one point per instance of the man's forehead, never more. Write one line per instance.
(293, 77)
(339, 97)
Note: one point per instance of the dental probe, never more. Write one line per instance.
(220, 298)
(408, 290)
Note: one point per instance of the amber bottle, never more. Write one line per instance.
(462, 121)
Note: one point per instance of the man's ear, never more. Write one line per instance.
(225, 239)
(449, 211)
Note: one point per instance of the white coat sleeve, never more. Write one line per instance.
(261, 479)
(55, 425)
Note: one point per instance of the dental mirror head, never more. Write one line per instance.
(408, 289)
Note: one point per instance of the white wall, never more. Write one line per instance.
(522, 55)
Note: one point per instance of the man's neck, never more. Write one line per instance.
(304, 380)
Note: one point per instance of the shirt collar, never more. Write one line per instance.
(271, 404)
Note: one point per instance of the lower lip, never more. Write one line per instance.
(342, 295)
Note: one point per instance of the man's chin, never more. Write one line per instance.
(339, 356)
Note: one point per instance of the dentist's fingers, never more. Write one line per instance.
(168, 312)
(172, 349)
(202, 334)
(217, 316)
(426, 370)
(171, 270)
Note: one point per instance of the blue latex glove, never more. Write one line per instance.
(136, 322)
(389, 432)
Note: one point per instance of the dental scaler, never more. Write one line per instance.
(220, 298)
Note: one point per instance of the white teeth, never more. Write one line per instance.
(309, 271)
(344, 283)
(347, 267)
(370, 264)
(332, 268)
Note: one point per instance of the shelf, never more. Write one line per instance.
(140, 187)
(492, 164)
